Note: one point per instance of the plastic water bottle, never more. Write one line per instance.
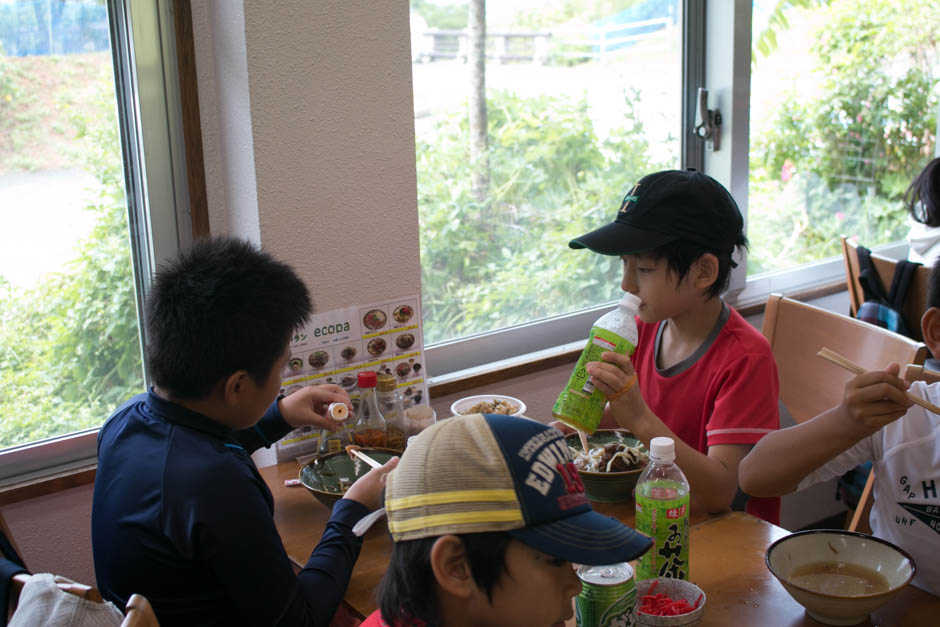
(580, 404)
(662, 513)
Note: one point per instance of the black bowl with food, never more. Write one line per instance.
(614, 462)
(328, 476)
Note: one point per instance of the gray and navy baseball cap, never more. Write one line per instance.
(665, 207)
(489, 472)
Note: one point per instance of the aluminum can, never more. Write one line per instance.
(608, 595)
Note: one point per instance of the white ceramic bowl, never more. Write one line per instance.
(805, 547)
(464, 405)
(675, 589)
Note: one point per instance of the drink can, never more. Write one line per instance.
(608, 594)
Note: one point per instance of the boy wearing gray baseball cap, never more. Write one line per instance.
(488, 515)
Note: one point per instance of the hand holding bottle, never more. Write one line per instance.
(308, 406)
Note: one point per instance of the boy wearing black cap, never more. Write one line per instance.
(706, 378)
(488, 513)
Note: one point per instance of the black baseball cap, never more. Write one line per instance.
(668, 206)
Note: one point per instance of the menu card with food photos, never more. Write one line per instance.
(334, 347)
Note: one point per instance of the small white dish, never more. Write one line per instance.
(464, 405)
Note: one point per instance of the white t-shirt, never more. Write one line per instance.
(905, 457)
(924, 242)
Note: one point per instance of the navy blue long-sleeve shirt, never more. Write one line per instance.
(182, 516)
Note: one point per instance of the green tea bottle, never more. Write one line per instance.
(662, 513)
(580, 404)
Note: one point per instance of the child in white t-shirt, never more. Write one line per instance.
(877, 422)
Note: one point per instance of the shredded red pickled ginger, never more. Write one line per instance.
(661, 605)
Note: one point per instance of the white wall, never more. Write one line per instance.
(330, 138)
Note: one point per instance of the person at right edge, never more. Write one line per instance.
(704, 376)
(876, 422)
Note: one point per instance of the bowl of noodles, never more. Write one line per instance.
(328, 476)
(612, 465)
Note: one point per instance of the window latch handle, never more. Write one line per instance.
(708, 121)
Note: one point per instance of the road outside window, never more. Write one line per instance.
(69, 342)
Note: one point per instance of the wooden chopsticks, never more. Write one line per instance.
(851, 366)
(353, 450)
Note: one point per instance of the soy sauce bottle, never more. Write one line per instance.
(393, 410)
(369, 429)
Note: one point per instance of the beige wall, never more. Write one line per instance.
(330, 136)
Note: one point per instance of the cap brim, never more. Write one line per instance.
(586, 538)
(620, 239)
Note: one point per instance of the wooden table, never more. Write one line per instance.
(726, 554)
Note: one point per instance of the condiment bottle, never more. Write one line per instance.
(580, 404)
(369, 428)
(333, 441)
(393, 410)
(662, 513)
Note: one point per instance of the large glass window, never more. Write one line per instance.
(532, 119)
(843, 116)
(69, 337)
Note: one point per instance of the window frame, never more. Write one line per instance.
(709, 61)
(146, 74)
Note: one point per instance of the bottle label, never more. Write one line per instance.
(662, 512)
(580, 404)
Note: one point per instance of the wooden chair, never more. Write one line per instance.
(916, 300)
(810, 385)
(137, 613)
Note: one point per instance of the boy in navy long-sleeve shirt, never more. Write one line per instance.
(181, 513)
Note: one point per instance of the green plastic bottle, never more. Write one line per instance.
(662, 513)
(580, 404)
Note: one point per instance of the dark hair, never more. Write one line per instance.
(219, 307)
(933, 286)
(681, 254)
(406, 592)
(923, 196)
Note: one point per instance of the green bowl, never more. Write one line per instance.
(328, 476)
(608, 487)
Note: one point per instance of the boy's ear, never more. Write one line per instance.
(706, 271)
(234, 386)
(451, 568)
(930, 329)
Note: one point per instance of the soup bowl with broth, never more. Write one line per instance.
(839, 576)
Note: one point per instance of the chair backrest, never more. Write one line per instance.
(138, 611)
(914, 303)
(809, 384)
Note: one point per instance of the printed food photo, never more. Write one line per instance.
(374, 319)
(403, 313)
(405, 340)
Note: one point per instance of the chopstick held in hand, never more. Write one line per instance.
(851, 366)
(353, 451)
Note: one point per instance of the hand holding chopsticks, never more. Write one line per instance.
(851, 366)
